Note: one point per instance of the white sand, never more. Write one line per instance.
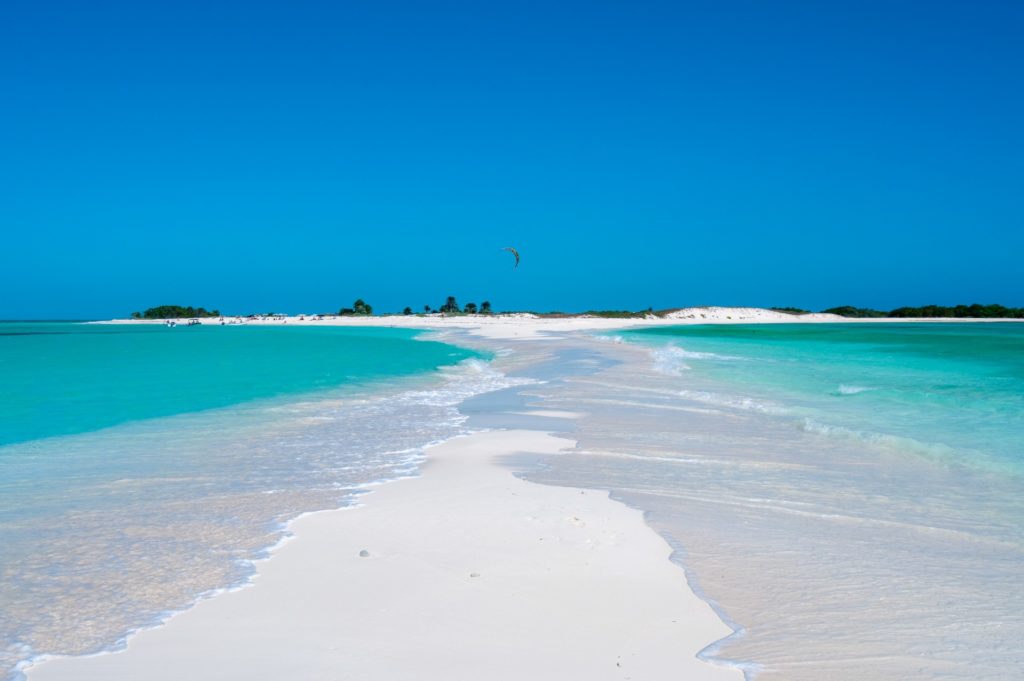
(524, 326)
(471, 574)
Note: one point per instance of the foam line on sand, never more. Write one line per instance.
(466, 572)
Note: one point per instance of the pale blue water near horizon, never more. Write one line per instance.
(141, 467)
(849, 497)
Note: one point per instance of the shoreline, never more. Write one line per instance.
(526, 326)
(461, 578)
(224, 555)
(624, 408)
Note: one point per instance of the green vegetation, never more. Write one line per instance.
(856, 312)
(616, 314)
(450, 306)
(975, 310)
(360, 307)
(175, 312)
(605, 314)
(957, 311)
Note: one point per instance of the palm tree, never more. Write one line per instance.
(485, 307)
(470, 308)
(450, 305)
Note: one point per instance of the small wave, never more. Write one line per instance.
(732, 401)
(606, 338)
(928, 449)
(669, 361)
(844, 389)
(691, 354)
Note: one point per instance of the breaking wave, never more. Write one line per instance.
(852, 389)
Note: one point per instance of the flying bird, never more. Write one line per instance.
(513, 252)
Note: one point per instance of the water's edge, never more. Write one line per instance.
(246, 568)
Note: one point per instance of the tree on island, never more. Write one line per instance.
(856, 312)
(975, 310)
(485, 307)
(450, 306)
(470, 308)
(175, 312)
(360, 307)
(427, 309)
(407, 311)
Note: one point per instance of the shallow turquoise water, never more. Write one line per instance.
(942, 390)
(61, 378)
(141, 466)
(849, 498)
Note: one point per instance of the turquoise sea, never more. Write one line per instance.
(61, 379)
(848, 497)
(143, 466)
(952, 391)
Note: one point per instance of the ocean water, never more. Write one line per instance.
(849, 498)
(944, 390)
(143, 467)
(60, 379)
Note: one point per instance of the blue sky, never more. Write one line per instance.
(294, 156)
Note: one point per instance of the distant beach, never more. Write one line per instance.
(529, 325)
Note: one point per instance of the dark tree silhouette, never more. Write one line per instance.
(450, 305)
(360, 307)
(175, 312)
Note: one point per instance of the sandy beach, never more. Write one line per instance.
(463, 573)
(428, 341)
(507, 557)
(525, 326)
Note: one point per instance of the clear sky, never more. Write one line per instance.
(293, 156)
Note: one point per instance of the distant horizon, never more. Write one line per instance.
(499, 311)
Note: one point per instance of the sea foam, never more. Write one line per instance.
(178, 509)
(853, 389)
